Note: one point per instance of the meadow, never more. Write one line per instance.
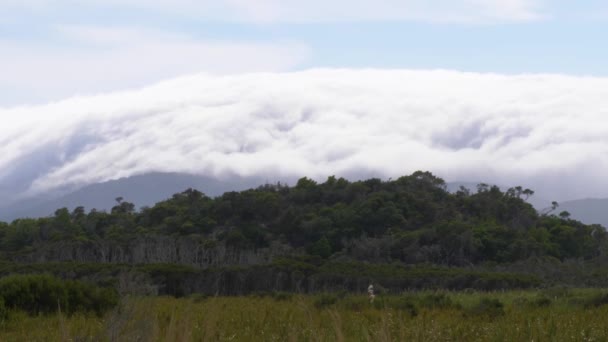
(556, 314)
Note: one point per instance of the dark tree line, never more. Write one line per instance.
(412, 219)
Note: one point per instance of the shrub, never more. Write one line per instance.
(325, 300)
(3, 311)
(557, 292)
(406, 305)
(596, 301)
(281, 296)
(198, 297)
(354, 303)
(260, 294)
(45, 294)
(521, 302)
(542, 301)
(489, 307)
(436, 301)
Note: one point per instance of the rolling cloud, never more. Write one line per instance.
(547, 132)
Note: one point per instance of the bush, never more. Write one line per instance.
(260, 294)
(542, 301)
(3, 311)
(596, 301)
(45, 294)
(521, 302)
(436, 301)
(281, 296)
(198, 297)
(557, 292)
(354, 303)
(488, 307)
(406, 305)
(325, 300)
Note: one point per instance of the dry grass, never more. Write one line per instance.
(299, 319)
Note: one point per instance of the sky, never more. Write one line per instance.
(53, 49)
(509, 91)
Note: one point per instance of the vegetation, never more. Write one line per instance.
(408, 233)
(414, 219)
(38, 294)
(470, 316)
(303, 255)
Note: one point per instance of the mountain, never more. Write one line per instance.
(142, 190)
(588, 211)
(147, 189)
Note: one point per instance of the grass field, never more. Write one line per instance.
(548, 315)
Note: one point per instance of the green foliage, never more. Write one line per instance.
(325, 300)
(281, 296)
(436, 301)
(406, 304)
(301, 265)
(321, 248)
(539, 301)
(488, 307)
(46, 294)
(19, 234)
(542, 301)
(4, 312)
(198, 297)
(597, 300)
(352, 319)
(424, 277)
(557, 292)
(372, 227)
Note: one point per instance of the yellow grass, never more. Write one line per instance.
(299, 319)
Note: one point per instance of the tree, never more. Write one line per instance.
(552, 208)
(482, 187)
(19, 234)
(321, 248)
(528, 193)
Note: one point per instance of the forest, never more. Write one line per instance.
(407, 233)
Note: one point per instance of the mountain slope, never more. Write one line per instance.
(589, 210)
(142, 190)
(145, 190)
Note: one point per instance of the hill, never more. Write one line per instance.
(404, 233)
(589, 211)
(141, 190)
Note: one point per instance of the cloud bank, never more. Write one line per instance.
(548, 132)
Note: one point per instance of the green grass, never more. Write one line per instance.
(546, 315)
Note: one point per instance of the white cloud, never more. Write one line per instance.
(317, 10)
(94, 59)
(419, 10)
(547, 132)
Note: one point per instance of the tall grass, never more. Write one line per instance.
(579, 315)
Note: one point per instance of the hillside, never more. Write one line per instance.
(316, 234)
(148, 189)
(590, 210)
(141, 190)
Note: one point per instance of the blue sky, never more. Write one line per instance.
(52, 49)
